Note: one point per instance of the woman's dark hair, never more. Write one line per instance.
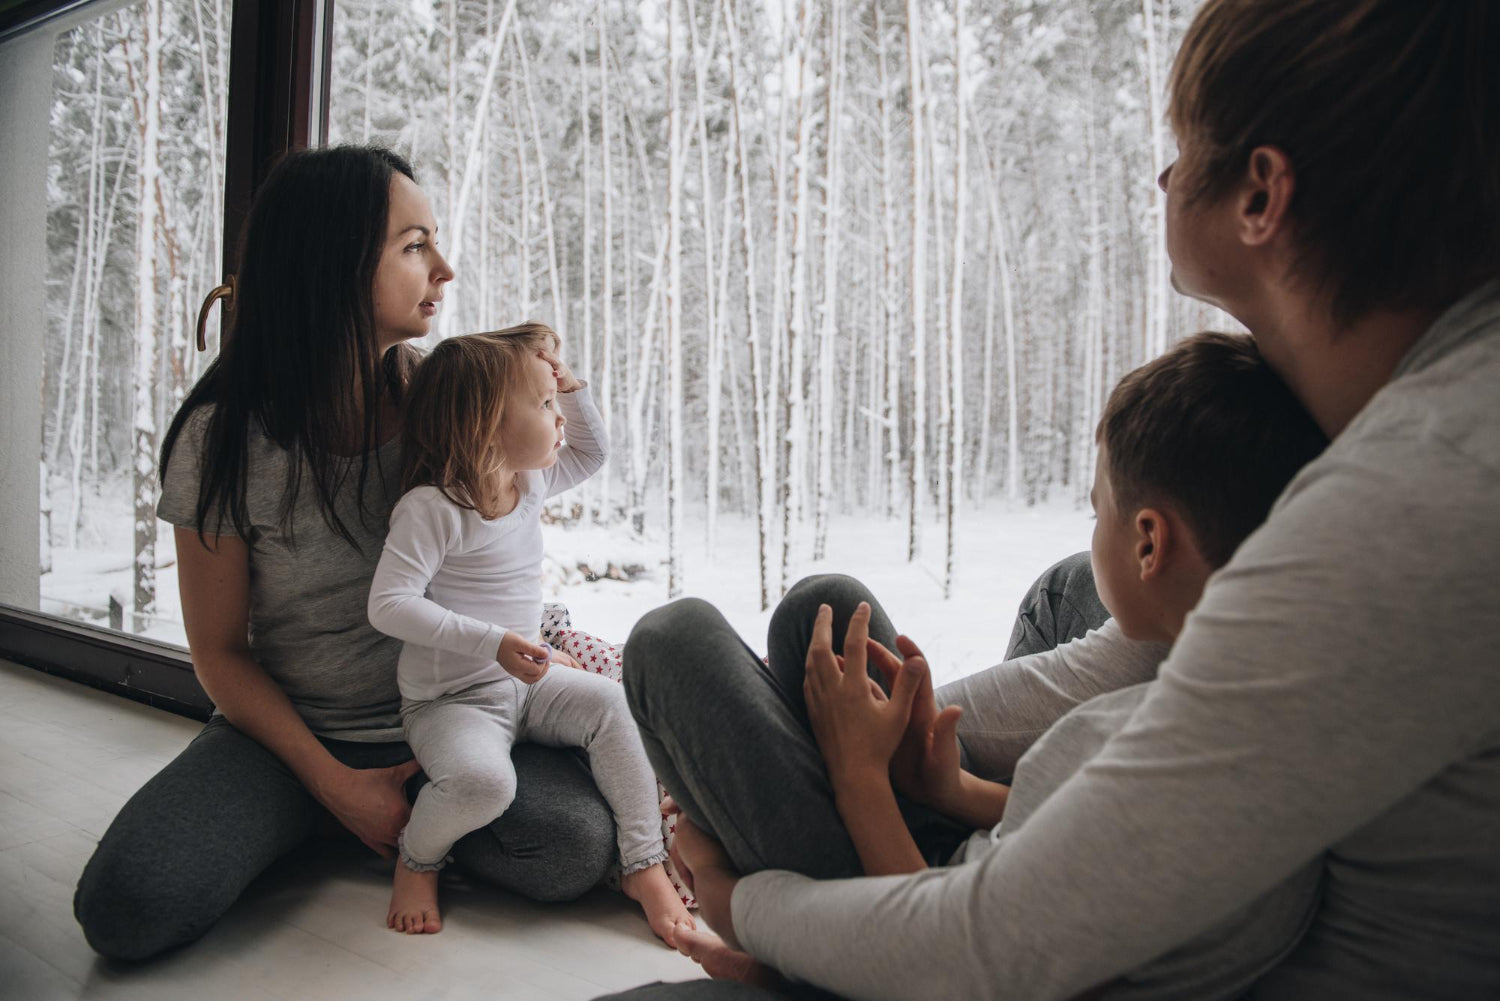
(1390, 113)
(299, 361)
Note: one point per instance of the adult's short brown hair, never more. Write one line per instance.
(1389, 111)
(450, 438)
(1210, 431)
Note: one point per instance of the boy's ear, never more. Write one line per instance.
(1154, 539)
(1266, 196)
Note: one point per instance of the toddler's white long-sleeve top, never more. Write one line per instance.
(451, 583)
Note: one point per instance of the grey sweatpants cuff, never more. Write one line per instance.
(412, 863)
(646, 863)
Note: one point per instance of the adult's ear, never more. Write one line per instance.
(1265, 197)
(1153, 541)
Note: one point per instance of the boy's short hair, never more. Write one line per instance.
(1210, 431)
(1390, 113)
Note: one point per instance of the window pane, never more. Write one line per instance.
(843, 384)
(134, 221)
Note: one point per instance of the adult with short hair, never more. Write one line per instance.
(1333, 697)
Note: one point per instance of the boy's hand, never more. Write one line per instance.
(925, 766)
(522, 659)
(567, 382)
(857, 726)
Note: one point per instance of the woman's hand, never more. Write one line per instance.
(523, 659)
(857, 726)
(925, 766)
(567, 382)
(706, 868)
(370, 802)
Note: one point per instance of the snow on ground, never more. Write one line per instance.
(1001, 551)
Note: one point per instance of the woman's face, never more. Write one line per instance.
(410, 276)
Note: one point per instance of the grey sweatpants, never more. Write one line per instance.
(463, 742)
(186, 845)
(731, 740)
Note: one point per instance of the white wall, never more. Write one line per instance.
(26, 86)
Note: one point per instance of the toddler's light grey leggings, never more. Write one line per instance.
(463, 742)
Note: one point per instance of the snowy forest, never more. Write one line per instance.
(819, 259)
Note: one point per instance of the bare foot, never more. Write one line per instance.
(414, 903)
(665, 911)
(723, 963)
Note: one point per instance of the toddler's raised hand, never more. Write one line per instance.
(567, 382)
(523, 659)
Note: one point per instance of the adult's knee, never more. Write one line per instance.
(580, 856)
(130, 912)
(662, 643)
(557, 841)
(840, 591)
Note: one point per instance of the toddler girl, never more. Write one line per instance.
(459, 582)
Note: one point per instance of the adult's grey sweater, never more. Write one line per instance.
(1334, 696)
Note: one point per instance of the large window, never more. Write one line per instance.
(133, 144)
(135, 183)
(850, 281)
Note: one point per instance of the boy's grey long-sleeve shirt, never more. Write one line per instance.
(1336, 694)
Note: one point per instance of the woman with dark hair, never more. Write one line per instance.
(279, 471)
(1332, 699)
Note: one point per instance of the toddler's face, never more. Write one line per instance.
(1117, 574)
(532, 429)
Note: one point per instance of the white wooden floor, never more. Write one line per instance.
(311, 929)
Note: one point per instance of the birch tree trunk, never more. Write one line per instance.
(1156, 312)
(143, 432)
(916, 451)
(715, 371)
(559, 317)
(793, 485)
(831, 211)
(586, 348)
(955, 309)
(890, 412)
(673, 360)
(607, 292)
(759, 402)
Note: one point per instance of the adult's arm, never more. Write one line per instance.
(1309, 692)
(1007, 707)
(215, 585)
(587, 444)
(423, 528)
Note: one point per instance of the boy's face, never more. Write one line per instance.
(1117, 574)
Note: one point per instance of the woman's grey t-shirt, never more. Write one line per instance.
(308, 585)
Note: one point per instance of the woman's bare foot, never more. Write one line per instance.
(665, 911)
(414, 902)
(723, 963)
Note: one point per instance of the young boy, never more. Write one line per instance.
(1194, 449)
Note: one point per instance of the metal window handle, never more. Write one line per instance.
(225, 292)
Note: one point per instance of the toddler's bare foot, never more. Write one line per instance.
(414, 902)
(723, 963)
(665, 911)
